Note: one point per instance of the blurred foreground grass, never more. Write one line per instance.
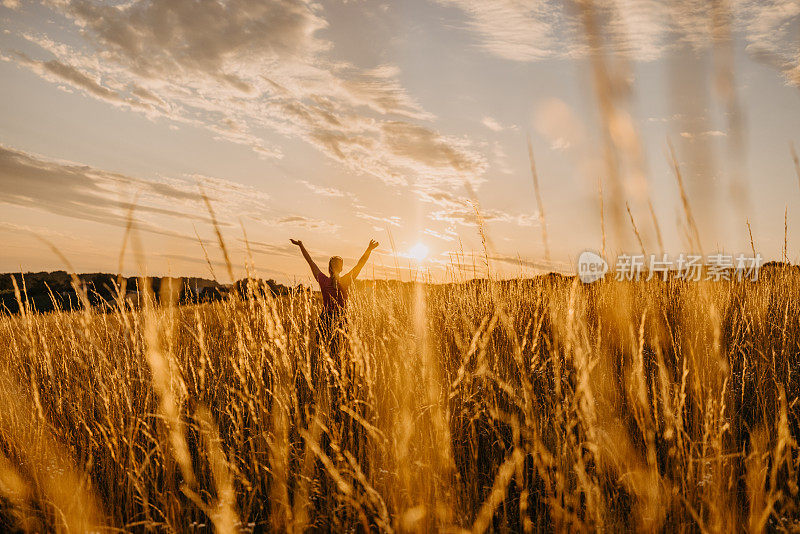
(508, 406)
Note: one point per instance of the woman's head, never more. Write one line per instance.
(335, 265)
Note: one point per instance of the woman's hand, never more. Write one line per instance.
(373, 244)
(296, 242)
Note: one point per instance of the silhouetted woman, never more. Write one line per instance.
(331, 333)
(332, 324)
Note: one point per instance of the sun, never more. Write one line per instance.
(418, 252)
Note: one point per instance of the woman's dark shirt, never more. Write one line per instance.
(333, 300)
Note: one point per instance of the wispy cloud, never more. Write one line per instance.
(58, 71)
(91, 194)
(708, 133)
(240, 67)
(309, 223)
(639, 29)
(540, 265)
(393, 220)
(323, 191)
(492, 124)
(468, 217)
(456, 209)
(520, 31)
(83, 192)
(447, 236)
(770, 30)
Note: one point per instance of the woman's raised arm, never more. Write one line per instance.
(314, 269)
(363, 260)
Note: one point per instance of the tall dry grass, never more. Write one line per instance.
(508, 406)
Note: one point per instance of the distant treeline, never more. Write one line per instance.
(48, 291)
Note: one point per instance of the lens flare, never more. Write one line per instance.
(418, 252)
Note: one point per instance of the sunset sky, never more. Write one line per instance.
(339, 121)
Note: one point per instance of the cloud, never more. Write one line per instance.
(542, 265)
(163, 38)
(242, 68)
(469, 217)
(49, 233)
(560, 144)
(309, 223)
(286, 249)
(447, 236)
(71, 74)
(323, 191)
(708, 133)
(469, 261)
(532, 31)
(642, 30)
(460, 210)
(444, 199)
(792, 73)
(492, 124)
(433, 155)
(74, 190)
(379, 89)
(671, 118)
(393, 220)
(520, 31)
(91, 194)
(770, 31)
(56, 71)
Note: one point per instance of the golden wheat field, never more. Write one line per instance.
(455, 132)
(525, 405)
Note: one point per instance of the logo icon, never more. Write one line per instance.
(591, 267)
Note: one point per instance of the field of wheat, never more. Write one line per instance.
(525, 405)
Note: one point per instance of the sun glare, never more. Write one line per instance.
(418, 252)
